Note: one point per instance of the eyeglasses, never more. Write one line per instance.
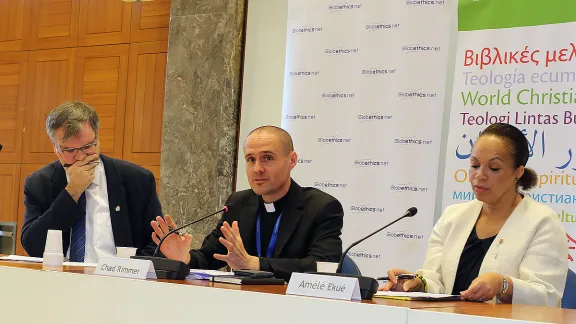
(86, 149)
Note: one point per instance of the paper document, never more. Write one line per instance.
(415, 296)
(206, 274)
(80, 264)
(39, 260)
(21, 258)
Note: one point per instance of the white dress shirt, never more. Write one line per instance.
(99, 235)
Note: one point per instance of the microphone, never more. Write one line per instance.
(0, 147)
(173, 269)
(225, 209)
(409, 213)
(368, 285)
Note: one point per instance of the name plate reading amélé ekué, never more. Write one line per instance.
(315, 285)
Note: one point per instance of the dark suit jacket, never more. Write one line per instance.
(309, 231)
(49, 206)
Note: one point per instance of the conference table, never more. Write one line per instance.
(30, 293)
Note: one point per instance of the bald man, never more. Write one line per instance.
(276, 226)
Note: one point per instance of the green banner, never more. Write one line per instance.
(496, 14)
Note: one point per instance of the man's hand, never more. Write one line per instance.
(237, 257)
(81, 175)
(174, 247)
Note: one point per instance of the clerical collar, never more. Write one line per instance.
(276, 206)
(269, 207)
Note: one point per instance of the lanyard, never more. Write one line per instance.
(273, 238)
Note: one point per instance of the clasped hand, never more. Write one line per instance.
(80, 174)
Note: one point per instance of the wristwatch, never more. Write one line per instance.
(504, 286)
(424, 282)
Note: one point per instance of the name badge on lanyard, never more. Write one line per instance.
(272, 244)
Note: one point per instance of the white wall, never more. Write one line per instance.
(263, 72)
(264, 79)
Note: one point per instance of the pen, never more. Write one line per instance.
(91, 162)
(400, 276)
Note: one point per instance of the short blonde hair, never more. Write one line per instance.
(71, 115)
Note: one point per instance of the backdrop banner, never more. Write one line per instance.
(364, 98)
(517, 66)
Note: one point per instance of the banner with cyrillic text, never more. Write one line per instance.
(363, 99)
(515, 63)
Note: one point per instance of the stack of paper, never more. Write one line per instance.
(21, 258)
(415, 296)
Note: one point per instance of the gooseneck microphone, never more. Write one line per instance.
(173, 269)
(225, 209)
(409, 213)
(368, 285)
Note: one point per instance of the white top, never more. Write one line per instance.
(99, 235)
(531, 248)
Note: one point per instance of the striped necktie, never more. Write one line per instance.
(78, 239)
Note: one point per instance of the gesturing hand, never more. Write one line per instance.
(174, 247)
(237, 257)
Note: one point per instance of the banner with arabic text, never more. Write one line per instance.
(516, 63)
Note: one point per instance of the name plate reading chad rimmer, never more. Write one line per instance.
(125, 268)
(315, 285)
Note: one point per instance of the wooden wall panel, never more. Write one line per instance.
(9, 189)
(104, 22)
(101, 74)
(50, 82)
(108, 53)
(13, 68)
(54, 24)
(156, 171)
(150, 21)
(145, 103)
(26, 170)
(14, 24)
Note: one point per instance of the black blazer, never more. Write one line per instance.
(49, 206)
(309, 231)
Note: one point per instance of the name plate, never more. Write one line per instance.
(126, 268)
(315, 285)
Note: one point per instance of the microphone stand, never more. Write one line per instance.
(368, 285)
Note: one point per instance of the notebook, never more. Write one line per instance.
(207, 274)
(242, 280)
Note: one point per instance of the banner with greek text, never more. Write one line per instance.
(364, 97)
(515, 63)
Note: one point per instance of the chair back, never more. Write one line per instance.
(569, 298)
(8, 237)
(350, 267)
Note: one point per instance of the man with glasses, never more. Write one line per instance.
(98, 202)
